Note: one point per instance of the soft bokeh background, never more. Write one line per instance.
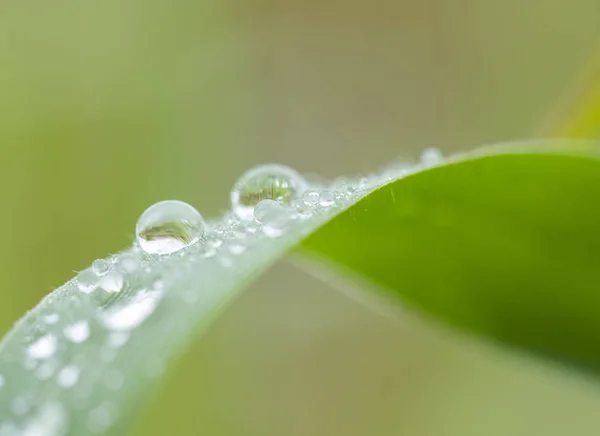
(107, 107)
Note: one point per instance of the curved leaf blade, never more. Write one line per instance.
(506, 245)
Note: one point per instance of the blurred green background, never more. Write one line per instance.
(107, 107)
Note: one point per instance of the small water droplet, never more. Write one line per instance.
(117, 339)
(77, 332)
(265, 182)
(273, 217)
(132, 313)
(431, 156)
(45, 371)
(112, 282)
(129, 262)
(43, 348)
(236, 249)
(327, 198)
(100, 267)
(101, 417)
(311, 198)
(51, 318)
(68, 376)
(87, 281)
(169, 226)
(51, 419)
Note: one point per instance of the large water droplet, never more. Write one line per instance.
(265, 182)
(77, 332)
(68, 376)
(169, 226)
(100, 267)
(43, 348)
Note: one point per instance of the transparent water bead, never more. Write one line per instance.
(326, 198)
(43, 348)
(68, 376)
(100, 267)
(112, 282)
(169, 226)
(431, 156)
(265, 182)
(87, 281)
(272, 216)
(132, 313)
(311, 198)
(77, 332)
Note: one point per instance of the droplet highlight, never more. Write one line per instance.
(169, 226)
(43, 348)
(100, 267)
(77, 332)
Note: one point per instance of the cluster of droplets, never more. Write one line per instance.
(267, 202)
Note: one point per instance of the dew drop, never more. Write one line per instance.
(50, 419)
(77, 332)
(265, 182)
(326, 198)
(169, 226)
(431, 156)
(51, 318)
(45, 371)
(117, 339)
(311, 198)
(129, 262)
(112, 282)
(87, 281)
(269, 211)
(131, 314)
(100, 267)
(68, 376)
(43, 348)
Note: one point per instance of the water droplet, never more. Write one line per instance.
(100, 267)
(169, 226)
(129, 262)
(112, 282)
(431, 156)
(68, 376)
(265, 182)
(131, 314)
(114, 380)
(45, 371)
(50, 419)
(77, 332)
(51, 318)
(118, 339)
(272, 216)
(311, 198)
(43, 348)
(236, 249)
(101, 417)
(327, 198)
(87, 281)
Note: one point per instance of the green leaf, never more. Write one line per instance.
(500, 242)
